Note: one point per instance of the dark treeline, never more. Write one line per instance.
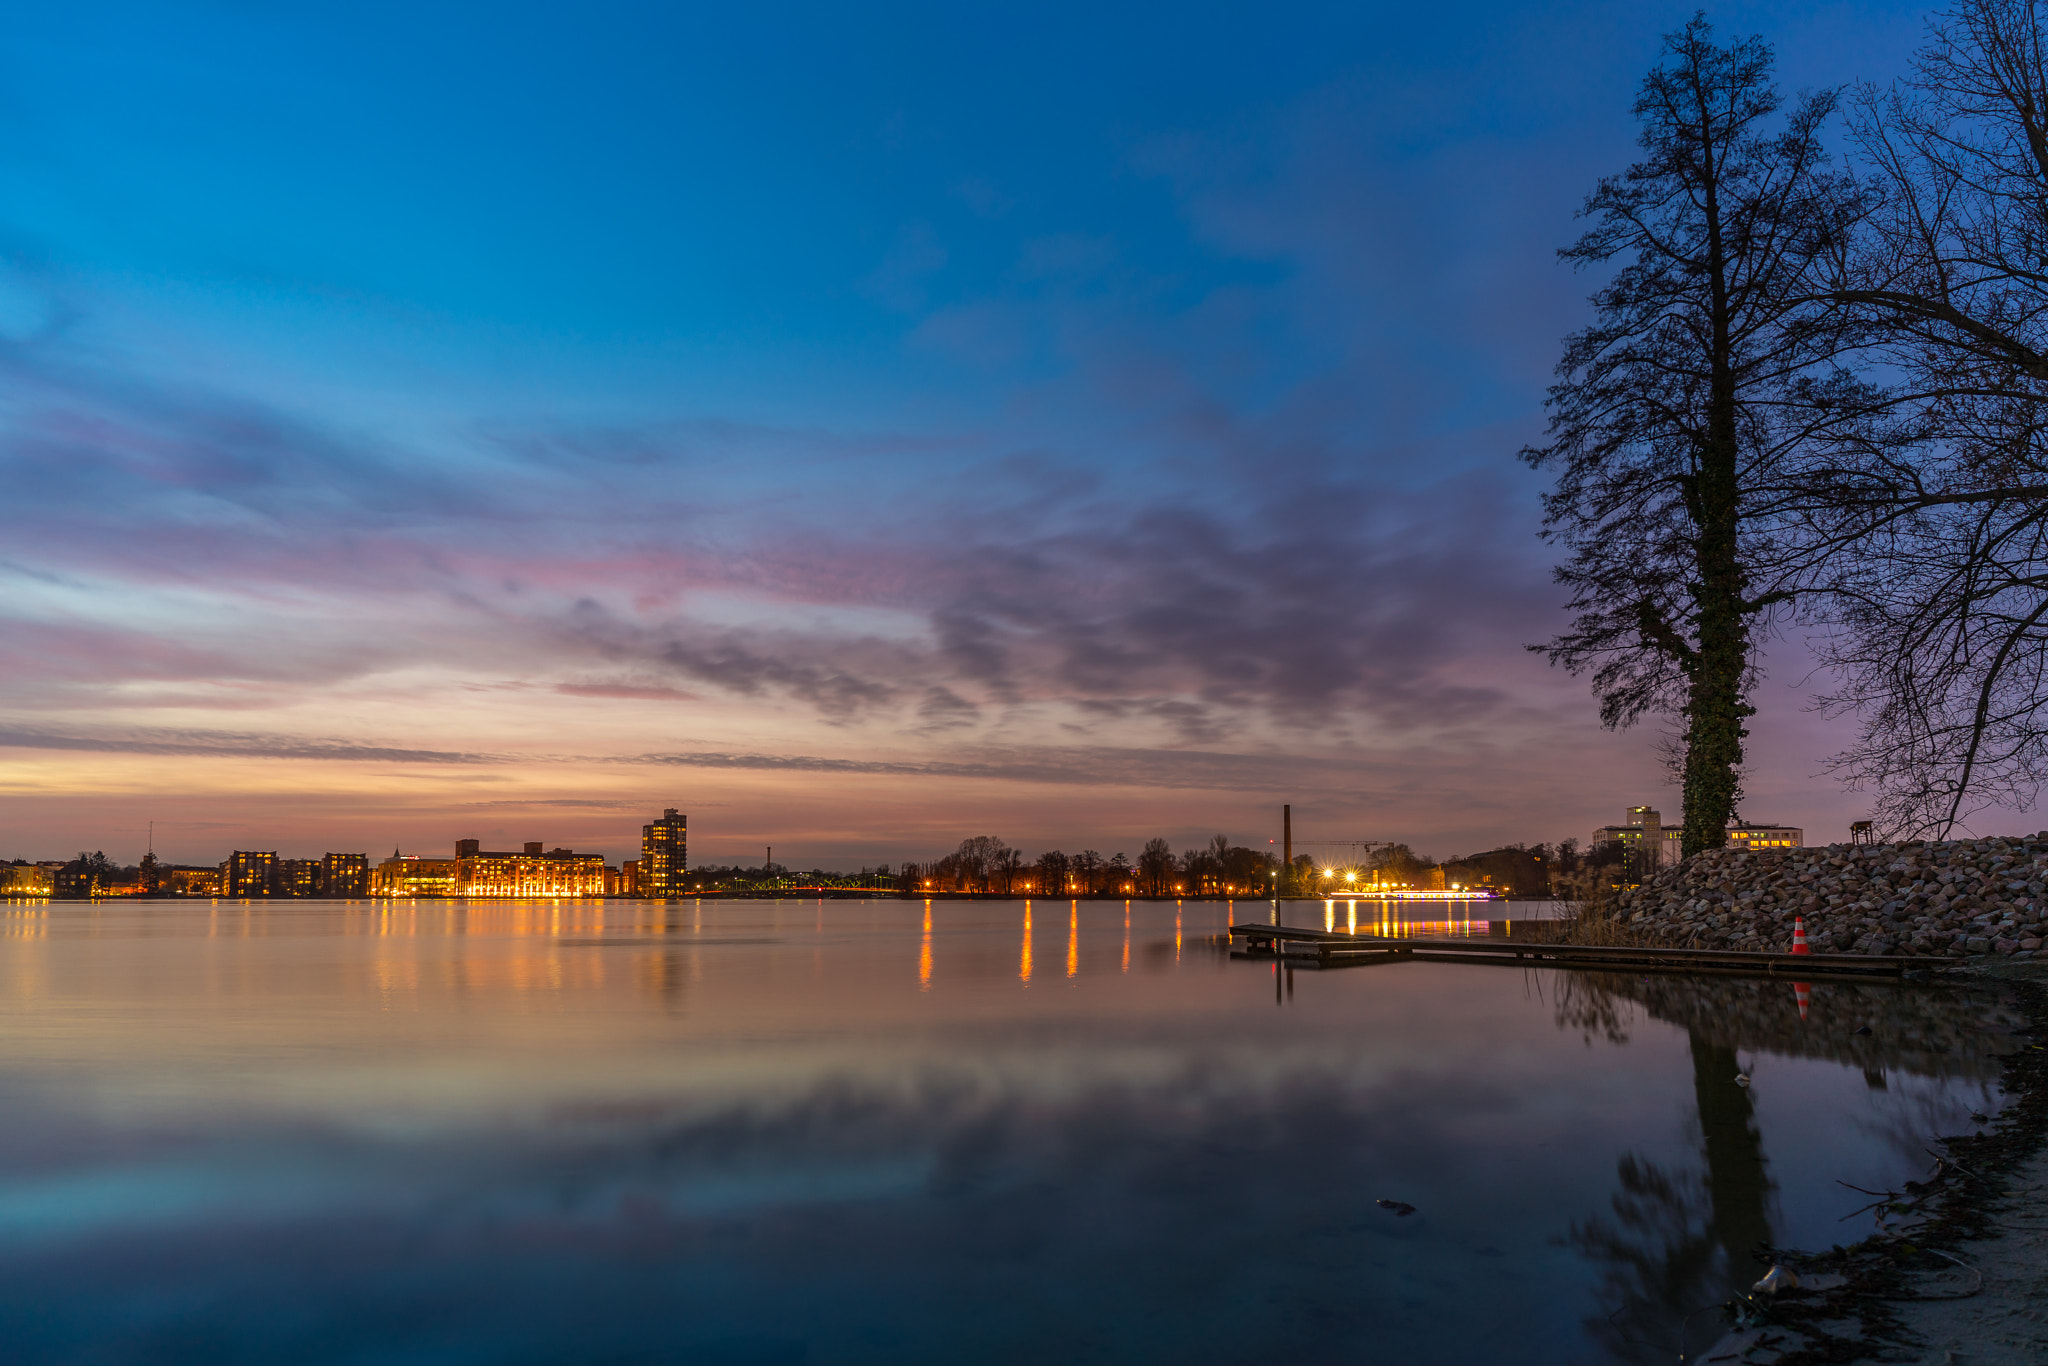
(712, 877)
(988, 865)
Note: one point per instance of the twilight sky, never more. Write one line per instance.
(858, 426)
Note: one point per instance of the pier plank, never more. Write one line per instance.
(1287, 940)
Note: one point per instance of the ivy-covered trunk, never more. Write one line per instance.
(1715, 707)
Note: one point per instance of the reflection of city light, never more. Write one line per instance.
(924, 958)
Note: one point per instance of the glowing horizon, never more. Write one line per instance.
(419, 428)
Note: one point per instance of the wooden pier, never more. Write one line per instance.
(1334, 949)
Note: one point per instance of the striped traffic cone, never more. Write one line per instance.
(1801, 993)
(1799, 935)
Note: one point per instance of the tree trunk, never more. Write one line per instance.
(1715, 708)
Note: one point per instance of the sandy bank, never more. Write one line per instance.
(1957, 1274)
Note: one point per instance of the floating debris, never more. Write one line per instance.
(1778, 1278)
(1399, 1207)
(1860, 1029)
(1742, 1079)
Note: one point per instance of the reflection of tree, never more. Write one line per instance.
(1679, 1241)
(1736, 1181)
(1587, 1004)
(1656, 1257)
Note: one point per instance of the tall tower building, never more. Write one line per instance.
(664, 855)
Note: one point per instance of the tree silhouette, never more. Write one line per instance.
(1683, 418)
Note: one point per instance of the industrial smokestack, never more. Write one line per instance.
(1286, 845)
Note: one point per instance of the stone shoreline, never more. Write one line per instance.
(1939, 899)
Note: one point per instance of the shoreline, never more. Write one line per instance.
(1961, 1277)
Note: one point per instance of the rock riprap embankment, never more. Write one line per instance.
(1941, 898)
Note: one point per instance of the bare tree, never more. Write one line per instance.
(981, 863)
(1088, 870)
(1004, 867)
(1683, 420)
(1156, 868)
(1942, 639)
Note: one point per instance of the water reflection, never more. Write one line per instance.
(738, 1132)
(924, 955)
(1678, 1237)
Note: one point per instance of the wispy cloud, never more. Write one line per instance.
(231, 745)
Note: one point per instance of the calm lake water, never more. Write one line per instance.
(755, 1132)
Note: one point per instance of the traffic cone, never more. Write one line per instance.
(1799, 935)
(1801, 992)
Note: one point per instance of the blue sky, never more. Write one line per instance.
(857, 424)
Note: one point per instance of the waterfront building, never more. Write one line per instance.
(555, 873)
(664, 856)
(411, 875)
(296, 877)
(183, 880)
(28, 879)
(345, 876)
(249, 872)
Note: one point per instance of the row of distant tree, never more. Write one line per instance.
(987, 864)
(761, 877)
(1219, 868)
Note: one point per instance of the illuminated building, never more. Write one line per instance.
(664, 856)
(78, 880)
(558, 872)
(28, 879)
(1644, 846)
(345, 876)
(414, 876)
(180, 880)
(249, 872)
(296, 877)
(1650, 845)
(1750, 835)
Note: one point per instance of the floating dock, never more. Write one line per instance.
(1334, 949)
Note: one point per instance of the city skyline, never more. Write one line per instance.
(392, 449)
